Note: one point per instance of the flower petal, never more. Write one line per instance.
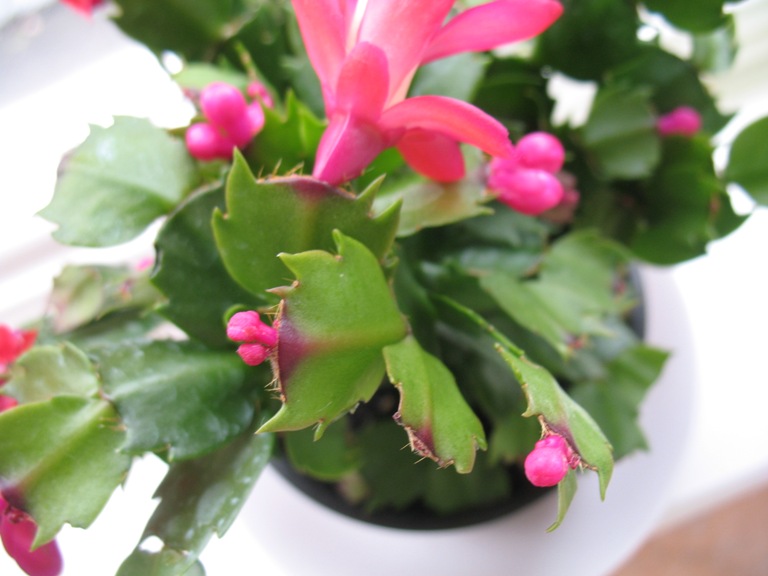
(363, 82)
(17, 536)
(453, 118)
(493, 24)
(323, 28)
(348, 145)
(435, 156)
(403, 30)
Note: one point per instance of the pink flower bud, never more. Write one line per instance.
(527, 191)
(17, 531)
(231, 123)
(542, 151)
(684, 120)
(250, 124)
(248, 327)
(223, 105)
(548, 462)
(253, 354)
(257, 91)
(205, 143)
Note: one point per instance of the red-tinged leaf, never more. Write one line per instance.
(333, 324)
(439, 422)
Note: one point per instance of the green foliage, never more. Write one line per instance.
(613, 399)
(562, 415)
(440, 424)
(621, 133)
(333, 324)
(590, 38)
(673, 82)
(329, 458)
(84, 294)
(118, 182)
(699, 16)
(426, 203)
(682, 204)
(457, 77)
(308, 212)
(48, 371)
(288, 140)
(572, 295)
(193, 30)
(514, 90)
(60, 460)
(396, 481)
(177, 398)
(191, 274)
(748, 160)
(199, 498)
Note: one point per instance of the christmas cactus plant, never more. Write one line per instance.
(373, 234)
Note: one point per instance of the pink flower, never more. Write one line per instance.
(549, 461)
(17, 531)
(365, 53)
(684, 120)
(13, 343)
(85, 7)
(231, 123)
(527, 181)
(258, 339)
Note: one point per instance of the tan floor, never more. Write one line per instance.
(731, 540)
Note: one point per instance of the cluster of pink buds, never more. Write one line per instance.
(258, 339)
(527, 181)
(549, 461)
(682, 121)
(231, 122)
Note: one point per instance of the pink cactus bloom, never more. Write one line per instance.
(259, 339)
(683, 121)
(7, 402)
(542, 151)
(231, 123)
(365, 53)
(549, 461)
(85, 7)
(13, 343)
(17, 531)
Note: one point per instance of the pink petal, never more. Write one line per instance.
(403, 30)
(433, 155)
(348, 145)
(453, 118)
(493, 24)
(17, 537)
(323, 28)
(363, 82)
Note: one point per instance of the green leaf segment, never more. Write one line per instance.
(332, 326)
(118, 182)
(308, 212)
